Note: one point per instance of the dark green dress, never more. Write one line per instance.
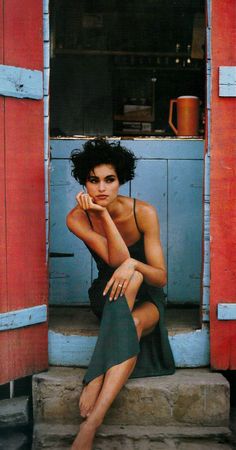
(117, 339)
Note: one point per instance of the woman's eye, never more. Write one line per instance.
(110, 180)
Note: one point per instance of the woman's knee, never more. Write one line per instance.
(133, 287)
(138, 324)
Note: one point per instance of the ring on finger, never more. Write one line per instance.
(120, 285)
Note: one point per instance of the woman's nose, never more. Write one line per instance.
(101, 186)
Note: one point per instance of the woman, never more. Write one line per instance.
(123, 236)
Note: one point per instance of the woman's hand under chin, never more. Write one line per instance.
(86, 202)
(120, 279)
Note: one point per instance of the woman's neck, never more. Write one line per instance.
(115, 208)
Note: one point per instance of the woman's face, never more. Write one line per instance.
(102, 184)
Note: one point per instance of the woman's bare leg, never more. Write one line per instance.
(145, 317)
(89, 396)
(91, 391)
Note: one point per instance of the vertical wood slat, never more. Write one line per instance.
(223, 187)
(3, 268)
(24, 166)
(3, 286)
(150, 184)
(185, 180)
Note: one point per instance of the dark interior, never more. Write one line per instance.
(116, 65)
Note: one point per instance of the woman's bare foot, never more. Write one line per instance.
(89, 396)
(85, 437)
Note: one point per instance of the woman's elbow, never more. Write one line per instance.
(163, 279)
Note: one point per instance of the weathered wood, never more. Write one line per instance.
(23, 317)
(190, 349)
(185, 185)
(3, 284)
(21, 83)
(227, 311)
(3, 247)
(227, 81)
(24, 350)
(223, 187)
(143, 148)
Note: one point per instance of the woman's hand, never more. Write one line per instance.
(86, 202)
(120, 279)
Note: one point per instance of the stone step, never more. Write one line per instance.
(110, 437)
(73, 333)
(190, 397)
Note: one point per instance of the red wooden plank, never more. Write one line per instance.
(24, 191)
(3, 285)
(223, 188)
(3, 294)
(25, 203)
(24, 33)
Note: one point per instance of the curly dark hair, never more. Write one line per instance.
(99, 151)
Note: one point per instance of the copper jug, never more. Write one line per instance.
(187, 116)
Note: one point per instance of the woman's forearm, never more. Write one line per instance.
(117, 249)
(152, 275)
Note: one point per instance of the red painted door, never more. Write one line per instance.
(223, 187)
(23, 270)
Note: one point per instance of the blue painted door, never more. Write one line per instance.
(169, 176)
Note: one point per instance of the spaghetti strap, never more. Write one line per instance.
(135, 217)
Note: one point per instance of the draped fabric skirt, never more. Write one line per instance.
(118, 341)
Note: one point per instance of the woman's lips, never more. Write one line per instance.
(101, 197)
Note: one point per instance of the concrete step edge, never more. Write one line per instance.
(152, 432)
(187, 398)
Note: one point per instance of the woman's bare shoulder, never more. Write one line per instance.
(146, 214)
(76, 216)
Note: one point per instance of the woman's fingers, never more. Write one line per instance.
(117, 287)
(108, 285)
(84, 200)
(124, 286)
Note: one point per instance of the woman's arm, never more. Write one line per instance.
(154, 272)
(111, 248)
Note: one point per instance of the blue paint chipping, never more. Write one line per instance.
(21, 83)
(226, 311)
(23, 317)
(190, 349)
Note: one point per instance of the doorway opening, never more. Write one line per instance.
(114, 71)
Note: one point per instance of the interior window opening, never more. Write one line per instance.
(116, 66)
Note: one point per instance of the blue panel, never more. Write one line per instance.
(184, 230)
(143, 148)
(23, 317)
(226, 311)
(190, 349)
(227, 81)
(70, 350)
(150, 184)
(70, 276)
(21, 83)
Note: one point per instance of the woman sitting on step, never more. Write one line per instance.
(123, 236)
